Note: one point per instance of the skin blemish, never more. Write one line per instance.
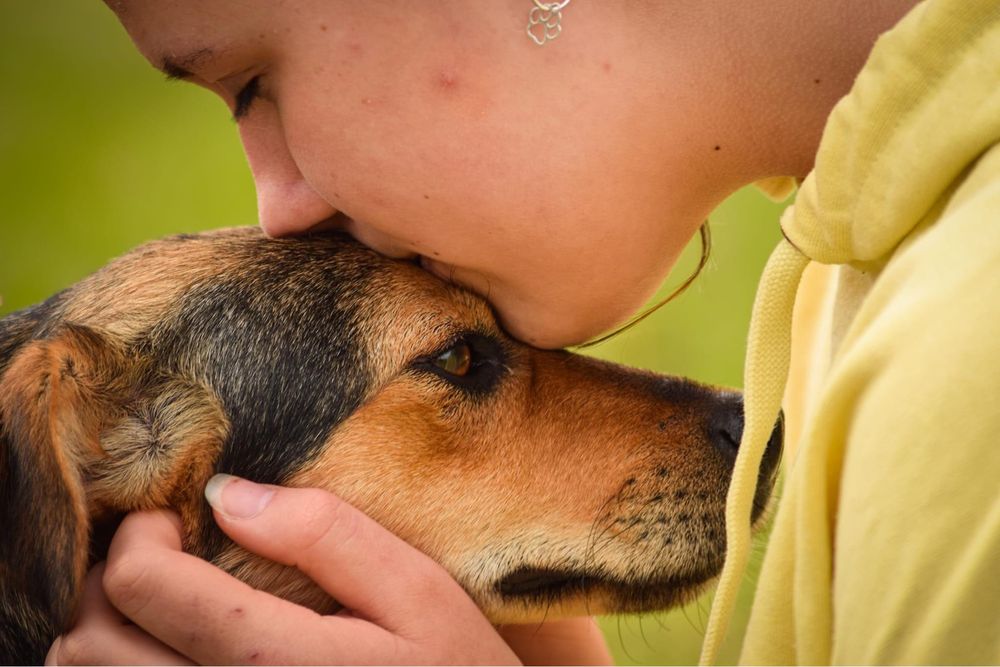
(447, 80)
(606, 66)
(322, 27)
(718, 148)
(816, 81)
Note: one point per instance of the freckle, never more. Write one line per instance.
(427, 196)
(322, 26)
(815, 80)
(437, 254)
(718, 148)
(606, 66)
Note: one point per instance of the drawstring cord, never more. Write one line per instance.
(764, 377)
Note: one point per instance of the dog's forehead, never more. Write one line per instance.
(294, 335)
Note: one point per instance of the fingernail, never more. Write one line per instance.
(236, 497)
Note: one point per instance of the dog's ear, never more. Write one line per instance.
(54, 398)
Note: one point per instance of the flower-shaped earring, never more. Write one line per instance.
(545, 21)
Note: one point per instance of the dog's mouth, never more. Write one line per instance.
(544, 582)
(546, 585)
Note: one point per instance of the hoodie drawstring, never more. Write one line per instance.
(764, 377)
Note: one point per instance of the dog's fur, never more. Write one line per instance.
(547, 484)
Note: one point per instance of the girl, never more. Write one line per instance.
(559, 170)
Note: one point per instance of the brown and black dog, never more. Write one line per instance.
(547, 483)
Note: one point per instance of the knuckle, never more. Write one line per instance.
(78, 647)
(326, 520)
(128, 582)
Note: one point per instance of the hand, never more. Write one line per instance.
(400, 606)
(570, 641)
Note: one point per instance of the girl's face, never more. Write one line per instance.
(561, 182)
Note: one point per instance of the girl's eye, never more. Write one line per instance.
(456, 361)
(245, 98)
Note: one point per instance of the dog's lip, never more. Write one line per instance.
(538, 580)
(544, 583)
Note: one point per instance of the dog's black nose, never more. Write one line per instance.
(725, 430)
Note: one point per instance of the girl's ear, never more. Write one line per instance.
(55, 397)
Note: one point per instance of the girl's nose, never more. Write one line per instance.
(286, 202)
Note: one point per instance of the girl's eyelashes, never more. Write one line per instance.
(245, 98)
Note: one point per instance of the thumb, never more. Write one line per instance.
(354, 559)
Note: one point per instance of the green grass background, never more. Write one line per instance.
(98, 154)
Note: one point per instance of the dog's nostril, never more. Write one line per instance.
(725, 426)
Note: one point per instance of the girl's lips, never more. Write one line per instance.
(440, 269)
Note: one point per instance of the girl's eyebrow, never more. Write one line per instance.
(180, 67)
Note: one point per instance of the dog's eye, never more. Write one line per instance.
(455, 361)
(474, 362)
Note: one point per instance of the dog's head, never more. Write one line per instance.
(545, 482)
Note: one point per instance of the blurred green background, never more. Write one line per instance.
(98, 154)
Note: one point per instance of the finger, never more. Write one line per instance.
(213, 618)
(101, 635)
(571, 641)
(361, 564)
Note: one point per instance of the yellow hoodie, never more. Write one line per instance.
(886, 544)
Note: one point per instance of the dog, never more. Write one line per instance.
(548, 484)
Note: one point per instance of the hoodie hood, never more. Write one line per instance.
(925, 106)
